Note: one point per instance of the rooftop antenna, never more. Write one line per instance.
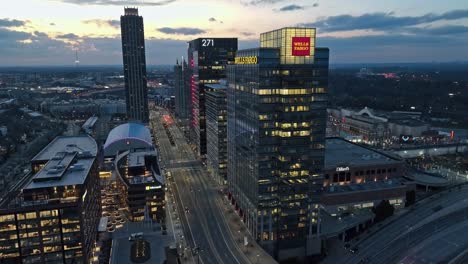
(77, 62)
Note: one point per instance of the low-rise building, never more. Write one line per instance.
(349, 163)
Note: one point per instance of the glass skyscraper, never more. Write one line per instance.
(276, 102)
(133, 50)
(182, 92)
(216, 131)
(208, 58)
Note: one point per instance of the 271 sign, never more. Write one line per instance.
(301, 46)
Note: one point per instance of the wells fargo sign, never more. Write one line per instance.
(246, 60)
(301, 46)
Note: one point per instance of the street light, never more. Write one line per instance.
(197, 251)
(408, 237)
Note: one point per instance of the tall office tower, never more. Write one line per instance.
(208, 58)
(133, 50)
(216, 130)
(55, 217)
(276, 138)
(182, 93)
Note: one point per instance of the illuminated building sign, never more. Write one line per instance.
(301, 46)
(342, 169)
(246, 60)
(153, 187)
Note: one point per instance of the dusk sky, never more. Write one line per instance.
(47, 32)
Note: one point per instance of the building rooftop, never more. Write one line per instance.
(365, 119)
(129, 131)
(216, 86)
(137, 159)
(339, 152)
(334, 225)
(90, 122)
(82, 144)
(409, 122)
(362, 187)
(70, 170)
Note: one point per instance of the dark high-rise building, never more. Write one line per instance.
(55, 217)
(133, 50)
(208, 58)
(276, 102)
(182, 91)
(216, 130)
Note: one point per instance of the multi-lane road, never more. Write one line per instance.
(394, 241)
(200, 205)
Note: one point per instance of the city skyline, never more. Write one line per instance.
(364, 32)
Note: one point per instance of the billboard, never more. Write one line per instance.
(301, 46)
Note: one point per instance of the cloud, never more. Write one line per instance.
(181, 31)
(40, 34)
(212, 19)
(380, 21)
(247, 34)
(396, 48)
(10, 35)
(442, 30)
(6, 23)
(261, 2)
(291, 8)
(119, 2)
(103, 23)
(23, 48)
(67, 36)
(416, 44)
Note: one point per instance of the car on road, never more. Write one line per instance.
(187, 210)
(354, 249)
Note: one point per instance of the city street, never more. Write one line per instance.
(199, 203)
(439, 248)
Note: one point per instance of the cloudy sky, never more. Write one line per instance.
(48, 32)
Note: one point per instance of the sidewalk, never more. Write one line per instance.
(175, 229)
(252, 251)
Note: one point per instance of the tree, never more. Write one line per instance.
(383, 210)
(410, 198)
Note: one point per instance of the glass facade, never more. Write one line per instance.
(64, 232)
(182, 93)
(216, 130)
(141, 186)
(276, 139)
(283, 39)
(55, 217)
(208, 58)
